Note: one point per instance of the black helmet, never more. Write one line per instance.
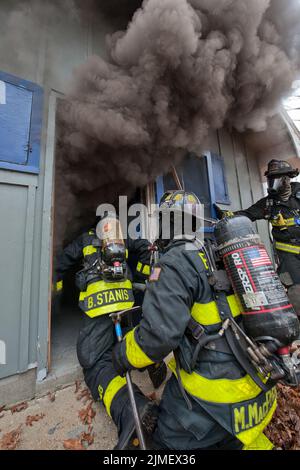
(179, 215)
(184, 201)
(279, 168)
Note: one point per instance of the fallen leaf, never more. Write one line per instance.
(11, 439)
(19, 407)
(51, 396)
(77, 386)
(87, 414)
(31, 419)
(84, 395)
(284, 428)
(88, 438)
(73, 444)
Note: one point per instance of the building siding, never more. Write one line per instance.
(47, 57)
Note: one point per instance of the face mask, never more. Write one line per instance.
(281, 187)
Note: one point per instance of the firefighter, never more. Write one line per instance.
(209, 402)
(282, 209)
(100, 297)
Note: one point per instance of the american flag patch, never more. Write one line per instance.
(259, 257)
(154, 276)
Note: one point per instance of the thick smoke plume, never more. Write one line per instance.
(182, 67)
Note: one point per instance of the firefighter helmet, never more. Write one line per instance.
(279, 168)
(184, 201)
(179, 215)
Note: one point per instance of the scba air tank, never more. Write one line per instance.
(266, 309)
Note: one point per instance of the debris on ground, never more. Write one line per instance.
(51, 396)
(18, 408)
(11, 439)
(73, 444)
(87, 414)
(77, 386)
(87, 438)
(2, 408)
(284, 429)
(72, 421)
(34, 419)
(84, 395)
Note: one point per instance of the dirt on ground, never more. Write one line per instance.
(284, 429)
(67, 419)
(70, 419)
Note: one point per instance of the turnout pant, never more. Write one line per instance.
(94, 350)
(179, 428)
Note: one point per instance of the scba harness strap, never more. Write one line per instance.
(226, 339)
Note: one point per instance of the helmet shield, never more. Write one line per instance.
(274, 184)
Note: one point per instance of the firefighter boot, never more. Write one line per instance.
(122, 415)
(157, 374)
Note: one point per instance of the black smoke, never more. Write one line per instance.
(181, 68)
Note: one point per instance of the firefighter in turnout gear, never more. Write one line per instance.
(282, 209)
(101, 294)
(210, 401)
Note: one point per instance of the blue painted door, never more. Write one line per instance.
(15, 122)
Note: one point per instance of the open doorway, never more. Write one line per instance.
(65, 316)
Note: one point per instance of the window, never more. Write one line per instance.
(20, 124)
(219, 179)
(205, 176)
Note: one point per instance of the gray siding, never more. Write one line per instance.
(46, 54)
(242, 174)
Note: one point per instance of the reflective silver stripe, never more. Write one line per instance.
(288, 248)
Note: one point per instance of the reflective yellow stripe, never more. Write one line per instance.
(208, 314)
(204, 260)
(100, 286)
(146, 270)
(143, 268)
(218, 390)
(283, 222)
(261, 443)
(89, 250)
(127, 254)
(254, 439)
(135, 355)
(229, 392)
(288, 248)
(59, 286)
(108, 309)
(114, 386)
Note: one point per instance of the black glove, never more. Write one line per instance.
(157, 374)
(119, 360)
(221, 214)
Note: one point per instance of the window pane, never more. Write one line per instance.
(15, 118)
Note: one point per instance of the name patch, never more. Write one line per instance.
(108, 297)
(249, 414)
